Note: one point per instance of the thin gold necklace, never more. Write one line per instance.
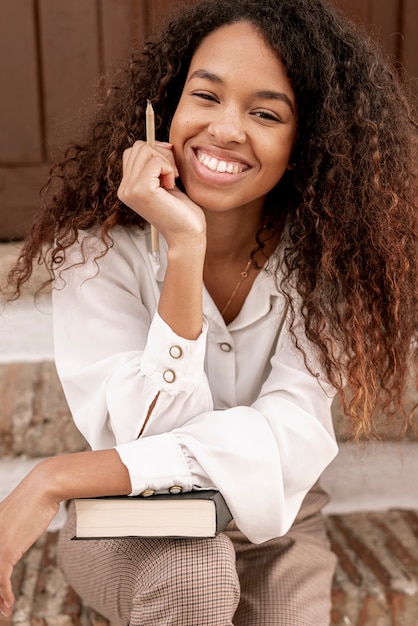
(243, 276)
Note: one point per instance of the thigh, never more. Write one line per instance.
(153, 582)
(100, 571)
(287, 581)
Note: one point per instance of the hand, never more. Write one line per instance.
(148, 188)
(24, 515)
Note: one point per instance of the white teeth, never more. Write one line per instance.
(219, 166)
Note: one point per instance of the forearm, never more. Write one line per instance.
(180, 304)
(81, 475)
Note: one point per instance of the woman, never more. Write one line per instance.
(284, 191)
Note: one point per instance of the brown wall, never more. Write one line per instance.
(52, 53)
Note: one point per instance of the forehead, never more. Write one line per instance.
(238, 52)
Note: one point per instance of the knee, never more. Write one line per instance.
(196, 577)
(212, 565)
(196, 565)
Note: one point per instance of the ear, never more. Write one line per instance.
(291, 166)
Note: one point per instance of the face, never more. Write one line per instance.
(235, 125)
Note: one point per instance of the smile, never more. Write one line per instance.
(215, 165)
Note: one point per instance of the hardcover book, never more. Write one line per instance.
(189, 514)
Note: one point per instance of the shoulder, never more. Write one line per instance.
(120, 241)
(123, 250)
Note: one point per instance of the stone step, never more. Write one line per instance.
(376, 581)
(34, 417)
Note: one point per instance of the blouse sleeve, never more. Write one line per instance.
(263, 458)
(113, 352)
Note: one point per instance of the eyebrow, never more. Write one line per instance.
(265, 94)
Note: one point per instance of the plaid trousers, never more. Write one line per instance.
(207, 582)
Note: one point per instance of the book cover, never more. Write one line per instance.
(189, 514)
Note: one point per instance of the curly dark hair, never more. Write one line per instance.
(351, 200)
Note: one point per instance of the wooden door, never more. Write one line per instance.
(52, 53)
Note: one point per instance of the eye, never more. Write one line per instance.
(203, 95)
(266, 115)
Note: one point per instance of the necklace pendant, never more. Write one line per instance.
(244, 275)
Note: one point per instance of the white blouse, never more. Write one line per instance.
(237, 409)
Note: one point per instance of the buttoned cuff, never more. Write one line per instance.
(173, 363)
(155, 464)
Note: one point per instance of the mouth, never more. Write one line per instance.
(221, 166)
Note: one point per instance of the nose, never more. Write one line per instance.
(226, 125)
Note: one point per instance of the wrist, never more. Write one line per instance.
(180, 304)
(187, 247)
(81, 475)
(45, 478)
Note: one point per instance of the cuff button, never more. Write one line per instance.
(169, 376)
(147, 492)
(176, 352)
(175, 489)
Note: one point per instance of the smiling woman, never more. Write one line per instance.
(283, 185)
(234, 128)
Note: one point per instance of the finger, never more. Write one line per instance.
(168, 147)
(136, 158)
(5, 610)
(157, 173)
(168, 181)
(130, 156)
(7, 598)
(164, 144)
(138, 190)
(141, 149)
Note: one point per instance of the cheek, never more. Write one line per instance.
(277, 161)
(172, 133)
(281, 152)
(174, 127)
(275, 166)
(180, 132)
(179, 124)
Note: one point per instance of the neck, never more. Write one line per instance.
(230, 237)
